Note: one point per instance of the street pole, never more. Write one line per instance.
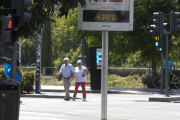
(38, 62)
(14, 61)
(162, 72)
(20, 44)
(104, 74)
(166, 68)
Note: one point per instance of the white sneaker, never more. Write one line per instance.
(73, 98)
(84, 99)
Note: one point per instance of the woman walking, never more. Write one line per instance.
(80, 79)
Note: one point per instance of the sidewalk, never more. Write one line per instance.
(58, 91)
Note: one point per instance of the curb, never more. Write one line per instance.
(164, 99)
(42, 96)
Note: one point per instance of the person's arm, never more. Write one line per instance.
(19, 70)
(60, 71)
(87, 72)
(72, 72)
(173, 68)
(164, 64)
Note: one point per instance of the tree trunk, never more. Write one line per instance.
(154, 62)
(26, 49)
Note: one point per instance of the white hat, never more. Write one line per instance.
(80, 61)
(66, 59)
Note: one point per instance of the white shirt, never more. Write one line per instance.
(66, 70)
(79, 73)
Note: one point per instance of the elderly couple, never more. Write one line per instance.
(67, 72)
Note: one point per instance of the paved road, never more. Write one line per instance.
(120, 107)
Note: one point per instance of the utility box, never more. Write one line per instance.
(9, 100)
(95, 67)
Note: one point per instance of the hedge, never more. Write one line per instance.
(126, 72)
(27, 82)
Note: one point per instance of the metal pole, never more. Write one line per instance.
(166, 69)
(20, 43)
(14, 62)
(104, 74)
(162, 73)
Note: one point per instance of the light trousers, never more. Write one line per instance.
(66, 88)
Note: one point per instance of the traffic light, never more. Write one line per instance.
(156, 41)
(10, 29)
(174, 21)
(158, 23)
(162, 46)
(154, 32)
(19, 5)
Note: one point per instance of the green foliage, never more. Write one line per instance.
(2, 75)
(122, 44)
(28, 51)
(64, 42)
(128, 82)
(126, 72)
(72, 55)
(147, 80)
(42, 12)
(27, 83)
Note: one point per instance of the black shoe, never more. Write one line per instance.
(66, 99)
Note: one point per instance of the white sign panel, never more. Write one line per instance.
(111, 15)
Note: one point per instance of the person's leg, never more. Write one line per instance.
(170, 85)
(64, 82)
(67, 88)
(83, 89)
(76, 89)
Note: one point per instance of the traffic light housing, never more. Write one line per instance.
(174, 21)
(158, 23)
(162, 46)
(10, 29)
(19, 5)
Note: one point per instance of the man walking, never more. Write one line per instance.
(170, 65)
(67, 72)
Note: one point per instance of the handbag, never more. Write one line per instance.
(60, 77)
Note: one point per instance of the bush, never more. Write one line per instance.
(147, 80)
(2, 75)
(128, 82)
(126, 72)
(27, 82)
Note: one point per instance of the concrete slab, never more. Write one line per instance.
(164, 99)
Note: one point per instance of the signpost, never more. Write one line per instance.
(105, 16)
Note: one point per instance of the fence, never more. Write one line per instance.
(48, 70)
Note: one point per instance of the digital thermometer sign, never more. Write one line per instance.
(111, 15)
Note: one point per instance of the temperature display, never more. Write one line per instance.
(105, 16)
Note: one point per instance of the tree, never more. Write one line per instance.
(123, 44)
(46, 59)
(42, 12)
